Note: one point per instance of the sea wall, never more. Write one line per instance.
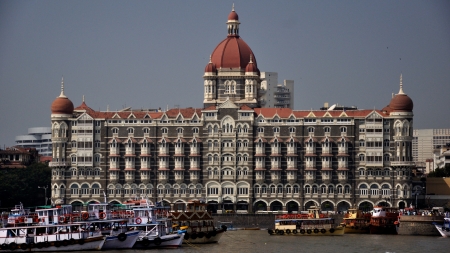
(419, 225)
(263, 221)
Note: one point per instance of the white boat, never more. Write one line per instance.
(152, 221)
(57, 238)
(444, 229)
(117, 233)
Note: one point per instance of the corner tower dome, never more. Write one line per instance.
(232, 52)
(62, 104)
(401, 102)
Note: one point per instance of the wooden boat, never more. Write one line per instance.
(65, 237)
(355, 222)
(197, 222)
(313, 223)
(444, 229)
(384, 220)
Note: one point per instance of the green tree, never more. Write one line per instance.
(21, 185)
(441, 172)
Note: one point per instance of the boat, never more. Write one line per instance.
(197, 222)
(153, 222)
(313, 223)
(355, 222)
(117, 233)
(444, 229)
(20, 216)
(384, 220)
(57, 238)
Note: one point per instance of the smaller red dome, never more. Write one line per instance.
(251, 67)
(233, 16)
(62, 105)
(401, 103)
(210, 68)
(386, 109)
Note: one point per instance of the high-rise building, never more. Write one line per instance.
(234, 153)
(39, 138)
(273, 94)
(425, 141)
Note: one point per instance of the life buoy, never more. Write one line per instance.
(81, 241)
(208, 235)
(72, 241)
(193, 236)
(294, 231)
(302, 231)
(4, 246)
(32, 245)
(323, 231)
(187, 236)
(122, 237)
(288, 231)
(331, 230)
(85, 216)
(281, 232)
(157, 241)
(57, 244)
(46, 244)
(308, 231)
(214, 233)
(201, 235)
(316, 231)
(39, 245)
(65, 242)
(102, 215)
(138, 220)
(72, 219)
(311, 215)
(62, 219)
(276, 231)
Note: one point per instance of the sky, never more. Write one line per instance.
(151, 54)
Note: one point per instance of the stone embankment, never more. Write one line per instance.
(419, 225)
(409, 224)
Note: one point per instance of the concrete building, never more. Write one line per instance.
(234, 153)
(425, 141)
(273, 94)
(39, 138)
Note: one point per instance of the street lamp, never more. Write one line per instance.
(45, 193)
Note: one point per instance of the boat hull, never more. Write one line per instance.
(309, 232)
(114, 241)
(384, 230)
(165, 241)
(92, 243)
(357, 230)
(445, 232)
(203, 239)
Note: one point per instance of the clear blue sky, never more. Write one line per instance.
(150, 54)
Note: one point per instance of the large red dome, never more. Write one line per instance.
(401, 103)
(232, 52)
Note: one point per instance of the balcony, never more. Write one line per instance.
(59, 164)
(402, 163)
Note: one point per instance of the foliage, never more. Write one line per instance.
(21, 185)
(441, 172)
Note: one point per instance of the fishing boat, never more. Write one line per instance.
(355, 222)
(444, 229)
(57, 238)
(311, 223)
(197, 222)
(384, 220)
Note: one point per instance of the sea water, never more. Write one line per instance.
(261, 241)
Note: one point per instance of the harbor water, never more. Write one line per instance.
(260, 241)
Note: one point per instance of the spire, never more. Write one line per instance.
(251, 59)
(62, 88)
(83, 98)
(401, 85)
(210, 61)
(232, 7)
(233, 23)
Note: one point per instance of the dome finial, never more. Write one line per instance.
(83, 98)
(401, 85)
(62, 88)
(251, 59)
(210, 61)
(232, 8)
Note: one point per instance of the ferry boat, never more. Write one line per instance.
(384, 220)
(313, 223)
(20, 216)
(116, 232)
(197, 222)
(154, 224)
(444, 229)
(355, 222)
(57, 238)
